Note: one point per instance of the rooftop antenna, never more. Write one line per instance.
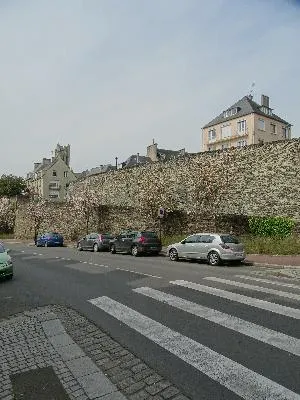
(251, 90)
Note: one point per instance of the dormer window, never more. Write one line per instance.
(266, 110)
(229, 113)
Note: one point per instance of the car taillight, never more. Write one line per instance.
(142, 239)
(224, 246)
(100, 238)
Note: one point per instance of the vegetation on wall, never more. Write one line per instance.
(271, 226)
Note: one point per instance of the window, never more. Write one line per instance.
(192, 239)
(212, 135)
(229, 239)
(54, 173)
(266, 110)
(225, 131)
(261, 124)
(206, 239)
(273, 128)
(285, 132)
(241, 126)
(65, 174)
(224, 146)
(242, 143)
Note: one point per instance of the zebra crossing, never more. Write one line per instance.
(222, 368)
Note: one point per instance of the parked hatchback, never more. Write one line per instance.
(136, 243)
(6, 265)
(50, 239)
(95, 242)
(211, 247)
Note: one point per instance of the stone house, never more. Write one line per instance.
(245, 122)
(51, 178)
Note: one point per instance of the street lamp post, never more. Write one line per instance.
(116, 163)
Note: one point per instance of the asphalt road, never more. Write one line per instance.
(226, 337)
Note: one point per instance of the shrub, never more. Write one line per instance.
(271, 226)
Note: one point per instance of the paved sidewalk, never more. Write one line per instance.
(54, 352)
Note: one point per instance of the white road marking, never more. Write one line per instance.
(252, 278)
(41, 254)
(234, 376)
(34, 254)
(56, 257)
(273, 338)
(84, 262)
(250, 301)
(279, 293)
(138, 273)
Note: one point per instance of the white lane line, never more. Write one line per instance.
(34, 254)
(22, 251)
(273, 338)
(138, 273)
(41, 254)
(68, 259)
(234, 376)
(62, 258)
(250, 301)
(279, 293)
(252, 278)
(84, 262)
(56, 257)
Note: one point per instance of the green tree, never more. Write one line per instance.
(11, 185)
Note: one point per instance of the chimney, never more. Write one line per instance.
(265, 101)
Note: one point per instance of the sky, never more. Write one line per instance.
(109, 76)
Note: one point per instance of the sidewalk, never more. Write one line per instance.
(57, 345)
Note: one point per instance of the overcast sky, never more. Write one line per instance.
(109, 76)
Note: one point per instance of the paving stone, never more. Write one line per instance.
(142, 395)
(157, 387)
(96, 385)
(70, 352)
(61, 340)
(169, 392)
(53, 327)
(82, 366)
(135, 387)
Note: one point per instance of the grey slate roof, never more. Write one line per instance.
(164, 155)
(245, 106)
(132, 161)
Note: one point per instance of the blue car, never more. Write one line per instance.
(49, 239)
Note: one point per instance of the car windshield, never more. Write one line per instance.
(229, 239)
(149, 234)
(2, 249)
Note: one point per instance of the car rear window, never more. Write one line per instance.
(229, 239)
(107, 236)
(149, 234)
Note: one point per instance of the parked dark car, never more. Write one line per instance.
(136, 243)
(95, 242)
(50, 239)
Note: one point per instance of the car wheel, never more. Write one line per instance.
(113, 249)
(134, 251)
(214, 258)
(79, 247)
(173, 255)
(95, 248)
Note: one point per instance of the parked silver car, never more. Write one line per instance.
(215, 248)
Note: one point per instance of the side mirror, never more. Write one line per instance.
(183, 242)
(7, 250)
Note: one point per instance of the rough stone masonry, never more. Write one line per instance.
(257, 180)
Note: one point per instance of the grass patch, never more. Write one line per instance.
(6, 236)
(271, 245)
(256, 244)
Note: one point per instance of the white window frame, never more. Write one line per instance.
(241, 143)
(261, 121)
(65, 174)
(226, 128)
(212, 135)
(242, 126)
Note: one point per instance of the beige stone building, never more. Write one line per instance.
(245, 123)
(51, 178)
